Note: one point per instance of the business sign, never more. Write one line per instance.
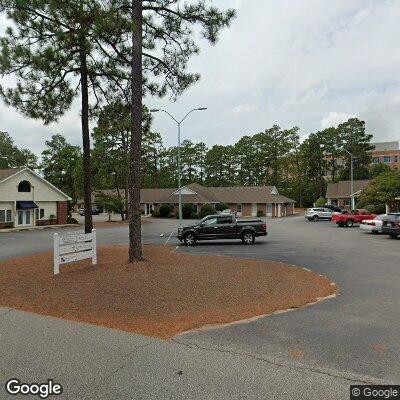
(72, 247)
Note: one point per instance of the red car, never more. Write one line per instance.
(349, 219)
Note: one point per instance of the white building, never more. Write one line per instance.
(26, 199)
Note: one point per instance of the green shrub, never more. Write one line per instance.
(165, 210)
(195, 216)
(187, 211)
(320, 202)
(207, 209)
(71, 220)
(221, 207)
(156, 214)
(260, 213)
(376, 208)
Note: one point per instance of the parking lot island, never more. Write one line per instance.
(169, 293)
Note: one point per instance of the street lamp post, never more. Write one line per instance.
(179, 152)
(351, 179)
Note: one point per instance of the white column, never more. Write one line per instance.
(279, 210)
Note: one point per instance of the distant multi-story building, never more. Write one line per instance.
(384, 152)
(387, 153)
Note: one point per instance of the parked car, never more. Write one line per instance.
(373, 225)
(222, 226)
(317, 213)
(333, 208)
(391, 225)
(349, 219)
(95, 211)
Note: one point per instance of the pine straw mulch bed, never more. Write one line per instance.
(168, 293)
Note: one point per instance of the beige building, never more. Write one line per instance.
(387, 153)
(244, 200)
(26, 199)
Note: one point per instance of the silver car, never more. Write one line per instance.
(317, 213)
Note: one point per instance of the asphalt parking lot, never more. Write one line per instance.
(354, 336)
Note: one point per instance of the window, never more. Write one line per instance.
(396, 158)
(195, 208)
(39, 213)
(24, 187)
(386, 159)
(239, 208)
(5, 216)
(375, 160)
(210, 221)
(225, 220)
(347, 202)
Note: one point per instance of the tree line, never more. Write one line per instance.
(100, 51)
(275, 156)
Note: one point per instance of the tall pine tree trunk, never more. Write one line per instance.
(87, 167)
(135, 243)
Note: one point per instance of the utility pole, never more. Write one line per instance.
(179, 153)
(351, 179)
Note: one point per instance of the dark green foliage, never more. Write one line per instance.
(384, 189)
(221, 206)
(377, 169)
(321, 201)
(62, 166)
(195, 216)
(187, 210)
(71, 220)
(13, 157)
(260, 213)
(165, 210)
(206, 209)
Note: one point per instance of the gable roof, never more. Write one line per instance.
(342, 189)
(204, 194)
(6, 174)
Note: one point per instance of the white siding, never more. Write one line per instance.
(41, 191)
(50, 208)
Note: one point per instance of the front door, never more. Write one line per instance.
(254, 210)
(24, 217)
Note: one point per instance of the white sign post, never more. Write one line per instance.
(74, 247)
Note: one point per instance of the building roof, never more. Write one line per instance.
(196, 193)
(6, 173)
(382, 146)
(9, 172)
(342, 189)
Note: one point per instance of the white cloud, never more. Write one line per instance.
(309, 63)
(334, 118)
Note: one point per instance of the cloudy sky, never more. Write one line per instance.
(309, 63)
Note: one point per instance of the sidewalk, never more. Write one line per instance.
(93, 362)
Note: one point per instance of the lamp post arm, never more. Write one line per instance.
(194, 109)
(166, 112)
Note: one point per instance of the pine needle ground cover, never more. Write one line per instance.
(168, 293)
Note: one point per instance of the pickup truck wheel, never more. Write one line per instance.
(315, 218)
(393, 235)
(310, 219)
(349, 223)
(248, 238)
(189, 239)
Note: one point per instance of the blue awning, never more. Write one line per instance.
(26, 205)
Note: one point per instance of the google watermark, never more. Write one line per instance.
(43, 390)
(375, 392)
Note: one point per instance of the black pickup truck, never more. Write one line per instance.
(222, 226)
